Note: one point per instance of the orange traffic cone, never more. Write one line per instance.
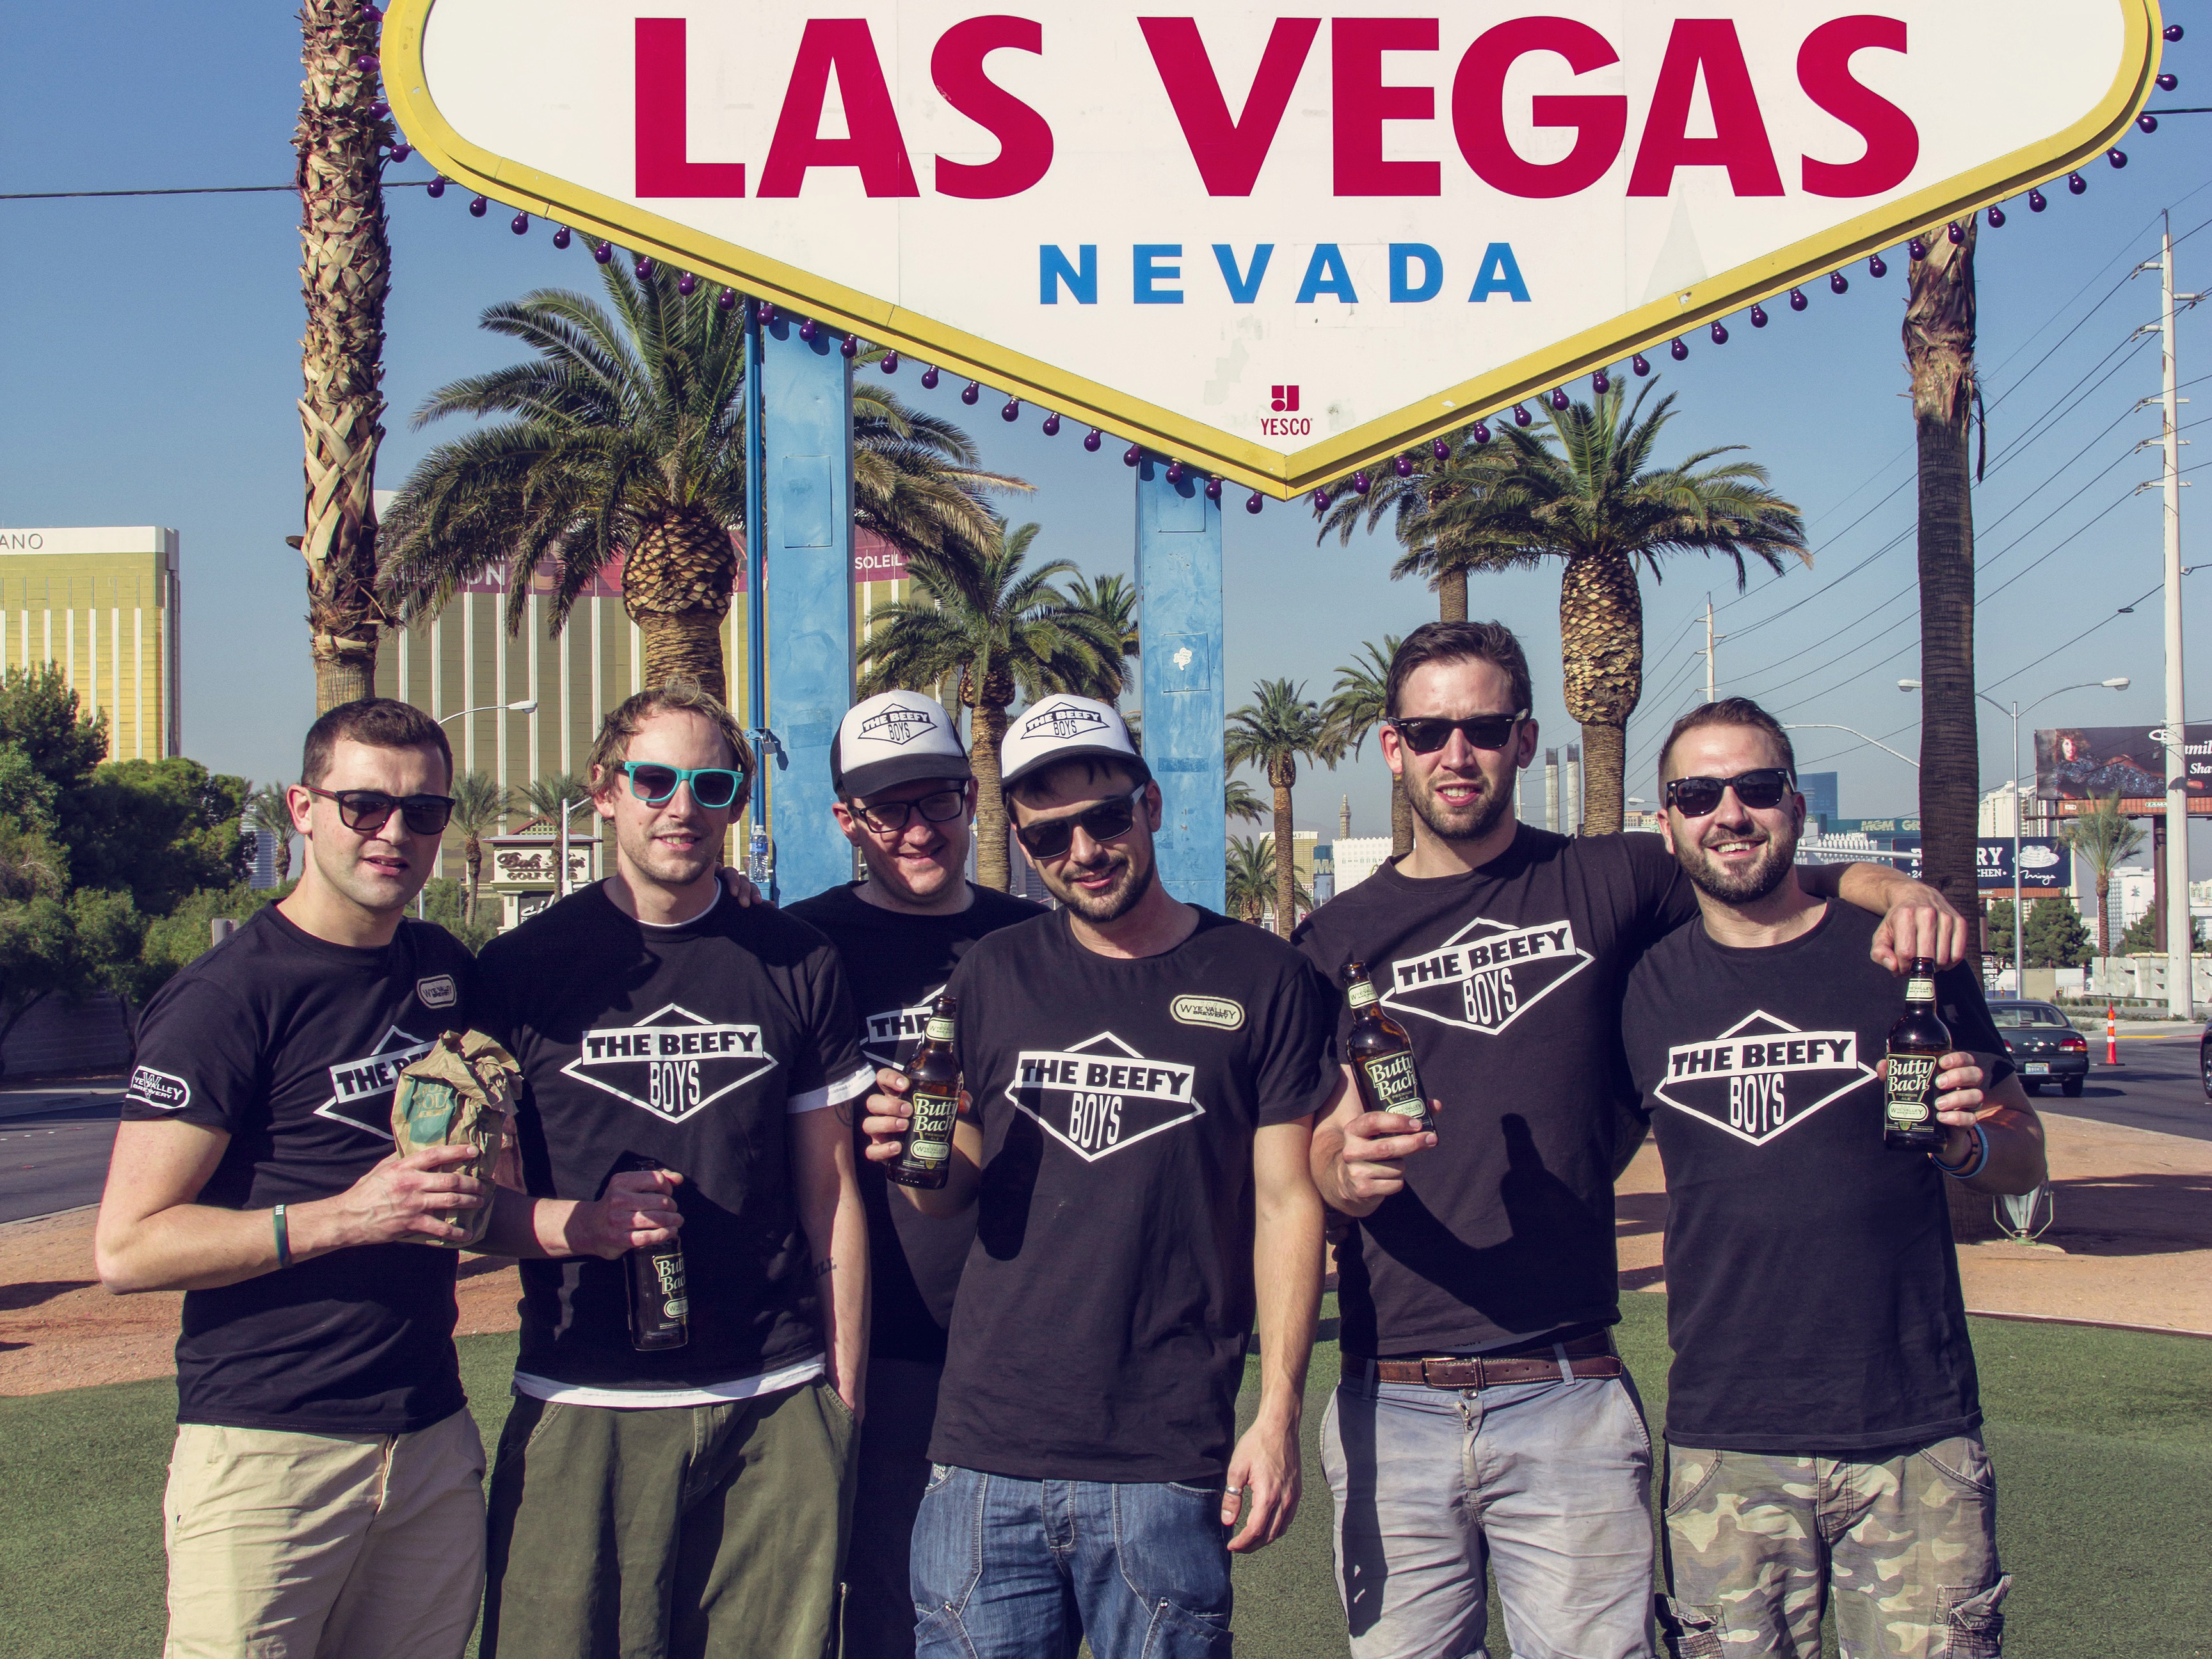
(2111, 1038)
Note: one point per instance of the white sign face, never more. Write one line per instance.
(1274, 247)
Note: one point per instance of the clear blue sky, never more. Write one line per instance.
(152, 365)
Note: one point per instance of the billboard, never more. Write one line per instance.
(2076, 766)
(2046, 865)
(1276, 248)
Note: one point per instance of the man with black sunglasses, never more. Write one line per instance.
(1142, 1076)
(906, 800)
(1823, 1416)
(1484, 1418)
(692, 1498)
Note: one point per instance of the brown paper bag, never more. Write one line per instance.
(458, 1095)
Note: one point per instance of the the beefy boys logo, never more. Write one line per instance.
(897, 726)
(1762, 1077)
(361, 1089)
(672, 1063)
(1063, 722)
(1487, 974)
(1101, 1096)
(895, 1033)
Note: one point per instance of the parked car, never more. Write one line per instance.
(2045, 1046)
(2204, 1061)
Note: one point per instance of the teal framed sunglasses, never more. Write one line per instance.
(713, 786)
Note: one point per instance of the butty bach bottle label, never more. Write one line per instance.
(935, 1109)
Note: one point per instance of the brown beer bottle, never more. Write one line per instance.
(659, 1310)
(1917, 1043)
(1383, 1056)
(925, 1158)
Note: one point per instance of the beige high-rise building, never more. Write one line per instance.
(102, 603)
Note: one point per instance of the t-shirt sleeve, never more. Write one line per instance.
(1664, 898)
(1966, 1012)
(1297, 1070)
(199, 1059)
(1326, 953)
(828, 1071)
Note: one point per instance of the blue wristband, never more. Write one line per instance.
(284, 1237)
(1974, 1166)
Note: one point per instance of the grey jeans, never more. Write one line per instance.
(1547, 1483)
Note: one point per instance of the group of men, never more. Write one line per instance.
(998, 1418)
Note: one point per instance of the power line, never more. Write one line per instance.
(190, 190)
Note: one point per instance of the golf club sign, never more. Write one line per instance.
(1274, 247)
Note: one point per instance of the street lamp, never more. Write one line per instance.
(527, 705)
(2118, 683)
(1826, 725)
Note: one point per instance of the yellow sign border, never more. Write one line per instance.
(1278, 474)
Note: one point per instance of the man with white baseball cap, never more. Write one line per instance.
(1142, 1076)
(905, 798)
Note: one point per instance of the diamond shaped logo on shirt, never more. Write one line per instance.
(1102, 1096)
(1762, 1077)
(672, 1063)
(361, 1089)
(1487, 974)
(894, 1033)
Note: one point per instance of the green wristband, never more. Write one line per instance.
(284, 1237)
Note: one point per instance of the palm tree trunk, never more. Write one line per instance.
(345, 265)
(1286, 873)
(1451, 596)
(1601, 641)
(991, 856)
(1401, 818)
(472, 861)
(2104, 915)
(682, 645)
(283, 865)
(677, 583)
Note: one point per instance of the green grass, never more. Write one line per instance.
(2102, 1440)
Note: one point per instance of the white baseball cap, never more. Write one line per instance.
(1065, 727)
(891, 739)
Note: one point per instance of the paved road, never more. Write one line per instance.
(53, 1151)
(2156, 1085)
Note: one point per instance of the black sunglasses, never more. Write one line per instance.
(365, 812)
(1103, 822)
(1697, 797)
(1425, 736)
(888, 818)
(713, 786)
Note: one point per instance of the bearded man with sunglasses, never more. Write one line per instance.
(1142, 1077)
(690, 1499)
(1823, 1417)
(1484, 1418)
(324, 1495)
(906, 802)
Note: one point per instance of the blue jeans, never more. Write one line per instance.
(1547, 1483)
(1007, 1569)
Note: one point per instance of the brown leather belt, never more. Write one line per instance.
(1590, 1357)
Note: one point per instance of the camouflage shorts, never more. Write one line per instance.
(1908, 1544)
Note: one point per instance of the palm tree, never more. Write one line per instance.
(545, 798)
(270, 813)
(1939, 346)
(1443, 552)
(1005, 631)
(1250, 868)
(627, 441)
(1355, 707)
(1113, 600)
(345, 269)
(1238, 802)
(2103, 838)
(1585, 491)
(479, 803)
(1274, 735)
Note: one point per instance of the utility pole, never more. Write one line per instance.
(2179, 987)
(1711, 639)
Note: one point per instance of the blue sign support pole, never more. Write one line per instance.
(806, 494)
(757, 860)
(1179, 593)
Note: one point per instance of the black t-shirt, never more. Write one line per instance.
(292, 1045)
(896, 964)
(694, 1045)
(1811, 1291)
(1508, 979)
(1100, 1329)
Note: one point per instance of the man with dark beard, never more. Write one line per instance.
(1143, 1075)
(1823, 1421)
(1484, 1417)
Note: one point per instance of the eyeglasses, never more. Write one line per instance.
(365, 812)
(1759, 790)
(888, 818)
(1425, 736)
(713, 786)
(1103, 822)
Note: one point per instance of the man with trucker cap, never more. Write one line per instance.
(1142, 1076)
(906, 799)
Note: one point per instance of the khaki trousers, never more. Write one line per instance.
(285, 1546)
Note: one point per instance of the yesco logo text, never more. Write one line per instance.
(1102, 1096)
(1486, 974)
